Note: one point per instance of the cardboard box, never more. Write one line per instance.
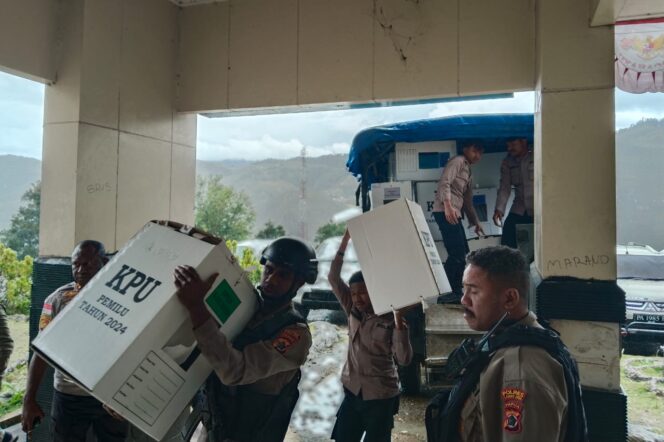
(128, 340)
(398, 256)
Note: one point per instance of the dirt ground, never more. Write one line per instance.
(321, 390)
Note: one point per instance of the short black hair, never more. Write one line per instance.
(97, 245)
(505, 266)
(356, 277)
(470, 143)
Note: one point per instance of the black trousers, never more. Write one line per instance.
(509, 228)
(456, 244)
(73, 415)
(357, 416)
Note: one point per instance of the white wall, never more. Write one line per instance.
(27, 38)
(264, 53)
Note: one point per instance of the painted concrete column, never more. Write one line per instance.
(575, 208)
(115, 155)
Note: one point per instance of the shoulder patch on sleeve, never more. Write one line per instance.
(286, 339)
(513, 399)
(44, 320)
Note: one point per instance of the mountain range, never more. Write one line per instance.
(275, 187)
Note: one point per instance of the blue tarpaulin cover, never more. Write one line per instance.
(492, 130)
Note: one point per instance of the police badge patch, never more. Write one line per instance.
(286, 339)
(512, 406)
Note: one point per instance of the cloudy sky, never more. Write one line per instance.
(282, 136)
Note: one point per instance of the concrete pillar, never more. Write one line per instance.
(115, 153)
(575, 222)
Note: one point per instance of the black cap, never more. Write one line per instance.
(294, 254)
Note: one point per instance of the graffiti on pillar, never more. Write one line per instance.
(99, 187)
(573, 262)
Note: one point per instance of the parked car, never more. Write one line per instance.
(319, 295)
(641, 276)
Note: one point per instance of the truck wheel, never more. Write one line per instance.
(410, 377)
(302, 310)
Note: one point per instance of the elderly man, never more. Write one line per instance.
(520, 382)
(516, 171)
(454, 195)
(74, 411)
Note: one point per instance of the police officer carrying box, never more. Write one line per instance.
(519, 383)
(369, 377)
(260, 369)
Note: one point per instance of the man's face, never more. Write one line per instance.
(277, 280)
(360, 297)
(473, 154)
(482, 301)
(85, 263)
(517, 148)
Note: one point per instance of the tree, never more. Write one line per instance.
(248, 261)
(15, 281)
(270, 231)
(23, 233)
(222, 211)
(329, 230)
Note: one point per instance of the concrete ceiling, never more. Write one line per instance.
(640, 9)
(608, 12)
(605, 11)
(185, 3)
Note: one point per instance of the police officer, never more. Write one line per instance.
(516, 171)
(260, 369)
(455, 193)
(519, 385)
(369, 377)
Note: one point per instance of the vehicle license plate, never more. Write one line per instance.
(649, 318)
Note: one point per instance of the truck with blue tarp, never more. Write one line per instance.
(405, 160)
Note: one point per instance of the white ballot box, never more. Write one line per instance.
(398, 256)
(128, 340)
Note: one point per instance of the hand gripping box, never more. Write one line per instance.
(127, 339)
(398, 256)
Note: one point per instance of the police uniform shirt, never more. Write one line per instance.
(521, 396)
(456, 184)
(517, 172)
(53, 305)
(373, 345)
(267, 365)
(6, 342)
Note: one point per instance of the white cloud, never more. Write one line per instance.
(632, 108)
(249, 149)
(21, 116)
(522, 102)
(284, 135)
(265, 147)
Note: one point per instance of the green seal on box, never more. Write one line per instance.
(223, 301)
